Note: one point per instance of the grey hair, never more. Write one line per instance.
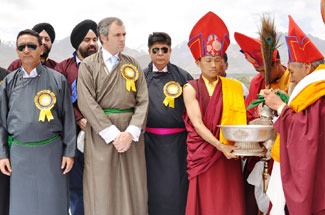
(316, 63)
(104, 25)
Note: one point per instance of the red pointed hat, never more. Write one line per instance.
(300, 47)
(209, 37)
(251, 48)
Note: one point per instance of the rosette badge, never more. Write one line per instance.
(45, 101)
(172, 90)
(130, 73)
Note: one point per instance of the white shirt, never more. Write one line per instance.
(111, 132)
(154, 68)
(110, 60)
(32, 74)
(78, 61)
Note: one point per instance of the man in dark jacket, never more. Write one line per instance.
(84, 39)
(165, 137)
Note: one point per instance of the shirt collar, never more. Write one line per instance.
(32, 74)
(78, 61)
(154, 68)
(107, 55)
(213, 84)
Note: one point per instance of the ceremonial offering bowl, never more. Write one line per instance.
(247, 137)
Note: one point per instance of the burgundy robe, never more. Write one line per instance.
(257, 84)
(69, 69)
(216, 183)
(302, 152)
(17, 64)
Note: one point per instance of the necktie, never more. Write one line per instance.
(114, 61)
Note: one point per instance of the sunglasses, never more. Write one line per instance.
(156, 50)
(31, 46)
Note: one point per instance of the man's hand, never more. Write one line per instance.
(227, 150)
(5, 166)
(272, 100)
(67, 163)
(123, 141)
(82, 123)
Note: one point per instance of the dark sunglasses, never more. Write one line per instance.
(156, 50)
(31, 46)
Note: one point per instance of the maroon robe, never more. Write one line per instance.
(69, 69)
(216, 183)
(257, 84)
(302, 153)
(17, 64)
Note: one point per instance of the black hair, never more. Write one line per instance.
(30, 32)
(159, 37)
(277, 56)
(225, 58)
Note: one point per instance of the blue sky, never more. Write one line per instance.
(145, 16)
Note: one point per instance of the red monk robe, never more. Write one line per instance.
(257, 84)
(216, 183)
(301, 126)
(302, 150)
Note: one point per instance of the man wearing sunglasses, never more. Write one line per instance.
(84, 39)
(37, 117)
(4, 179)
(47, 34)
(165, 137)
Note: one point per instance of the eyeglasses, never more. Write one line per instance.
(31, 46)
(156, 50)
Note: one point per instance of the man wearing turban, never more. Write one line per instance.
(84, 40)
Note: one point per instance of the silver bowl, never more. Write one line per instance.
(246, 133)
(247, 137)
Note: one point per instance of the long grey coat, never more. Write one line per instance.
(37, 185)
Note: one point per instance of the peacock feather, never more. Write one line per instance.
(269, 42)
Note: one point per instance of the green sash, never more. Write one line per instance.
(10, 140)
(109, 111)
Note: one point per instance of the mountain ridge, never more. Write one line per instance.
(180, 56)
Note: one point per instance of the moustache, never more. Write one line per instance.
(92, 47)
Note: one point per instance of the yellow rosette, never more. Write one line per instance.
(45, 101)
(130, 73)
(172, 90)
(0, 82)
